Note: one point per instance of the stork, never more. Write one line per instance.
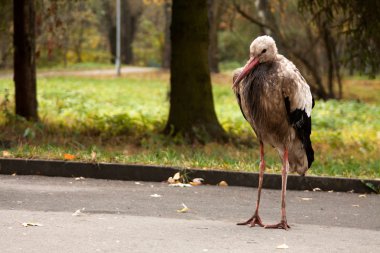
(276, 101)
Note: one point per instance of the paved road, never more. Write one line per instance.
(91, 72)
(123, 217)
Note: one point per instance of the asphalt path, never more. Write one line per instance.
(122, 216)
(87, 73)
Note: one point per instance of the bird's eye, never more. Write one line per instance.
(264, 50)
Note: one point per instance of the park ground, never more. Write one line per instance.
(91, 115)
(89, 215)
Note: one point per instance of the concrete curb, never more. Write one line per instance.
(162, 173)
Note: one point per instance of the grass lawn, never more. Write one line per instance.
(119, 120)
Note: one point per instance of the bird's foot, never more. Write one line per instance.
(282, 225)
(255, 219)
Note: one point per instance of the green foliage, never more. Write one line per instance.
(121, 119)
(359, 22)
(148, 44)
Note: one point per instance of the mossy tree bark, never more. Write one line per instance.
(24, 59)
(191, 103)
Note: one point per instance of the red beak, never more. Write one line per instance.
(252, 62)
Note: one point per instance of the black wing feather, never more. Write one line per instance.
(302, 124)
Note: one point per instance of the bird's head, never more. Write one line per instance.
(262, 49)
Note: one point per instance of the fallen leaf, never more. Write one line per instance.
(14, 174)
(197, 181)
(138, 183)
(306, 199)
(316, 189)
(176, 176)
(31, 224)
(78, 212)
(180, 185)
(184, 209)
(355, 205)
(79, 178)
(156, 195)
(6, 153)
(282, 246)
(69, 156)
(171, 180)
(222, 183)
(362, 196)
(330, 191)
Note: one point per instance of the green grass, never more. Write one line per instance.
(120, 119)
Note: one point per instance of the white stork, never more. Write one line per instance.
(276, 100)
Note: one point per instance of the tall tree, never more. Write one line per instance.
(191, 103)
(109, 26)
(359, 22)
(24, 58)
(6, 36)
(167, 47)
(131, 12)
(214, 10)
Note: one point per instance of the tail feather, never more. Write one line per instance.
(301, 156)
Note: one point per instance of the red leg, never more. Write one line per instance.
(255, 219)
(285, 169)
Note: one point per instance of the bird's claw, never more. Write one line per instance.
(282, 225)
(255, 219)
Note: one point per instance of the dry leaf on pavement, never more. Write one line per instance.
(171, 180)
(78, 212)
(197, 181)
(156, 195)
(31, 224)
(222, 183)
(180, 185)
(306, 199)
(177, 176)
(184, 209)
(282, 246)
(175, 179)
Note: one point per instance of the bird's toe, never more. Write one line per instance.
(282, 225)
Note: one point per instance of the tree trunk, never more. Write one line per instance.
(129, 20)
(24, 59)
(167, 47)
(191, 103)
(213, 17)
(110, 27)
(112, 41)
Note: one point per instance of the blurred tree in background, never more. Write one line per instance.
(6, 29)
(327, 39)
(359, 22)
